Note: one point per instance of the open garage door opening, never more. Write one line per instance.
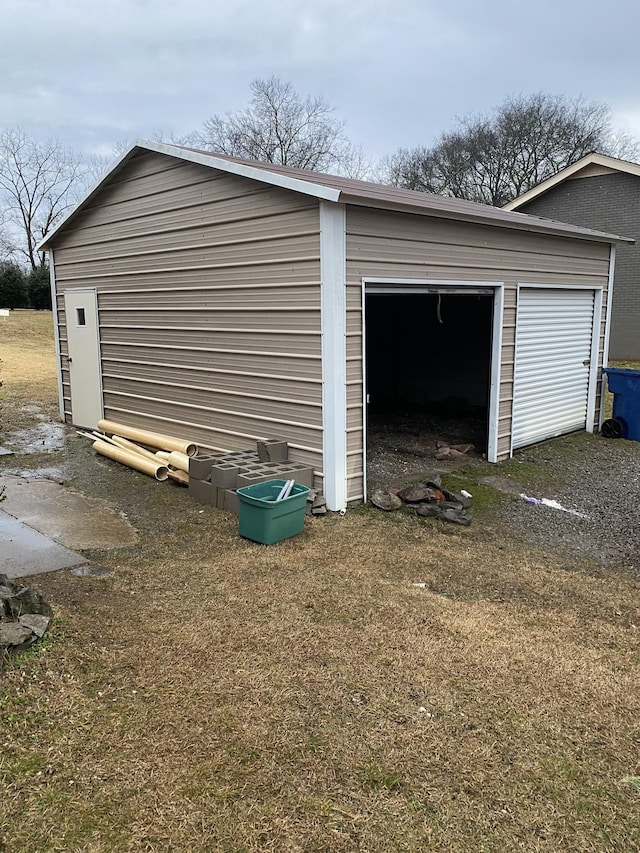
(428, 377)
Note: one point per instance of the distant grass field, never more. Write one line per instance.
(27, 367)
(381, 684)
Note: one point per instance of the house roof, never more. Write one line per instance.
(602, 163)
(344, 190)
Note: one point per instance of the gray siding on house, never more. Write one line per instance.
(209, 304)
(609, 202)
(385, 244)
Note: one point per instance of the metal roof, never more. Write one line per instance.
(348, 191)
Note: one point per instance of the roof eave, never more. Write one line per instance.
(256, 173)
(211, 161)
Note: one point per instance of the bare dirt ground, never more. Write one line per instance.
(214, 694)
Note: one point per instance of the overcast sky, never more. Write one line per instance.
(397, 71)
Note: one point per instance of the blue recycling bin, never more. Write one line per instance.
(624, 384)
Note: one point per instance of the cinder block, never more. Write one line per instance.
(200, 467)
(273, 450)
(224, 475)
(202, 491)
(300, 473)
(251, 466)
(220, 493)
(249, 478)
(224, 457)
(246, 455)
(231, 501)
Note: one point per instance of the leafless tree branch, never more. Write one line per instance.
(495, 158)
(37, 184)
(280, 127)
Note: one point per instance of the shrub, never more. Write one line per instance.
(13, 287)
(39, 288)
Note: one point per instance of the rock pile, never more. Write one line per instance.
(24, 616)
(428, 499)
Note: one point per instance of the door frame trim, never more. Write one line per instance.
(597, 290)
(372, 285)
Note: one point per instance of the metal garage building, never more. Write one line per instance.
(225, 300)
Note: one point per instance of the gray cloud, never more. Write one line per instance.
(397, 70)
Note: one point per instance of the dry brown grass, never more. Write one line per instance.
(214, 694)
(27, 367)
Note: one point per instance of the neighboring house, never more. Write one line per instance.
(603, 193)
(225, 300)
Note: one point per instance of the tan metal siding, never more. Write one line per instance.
(385, 244)
(209, 305)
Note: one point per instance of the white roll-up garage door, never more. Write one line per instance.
(552, 362)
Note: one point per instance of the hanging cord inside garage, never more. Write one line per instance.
(438, 312)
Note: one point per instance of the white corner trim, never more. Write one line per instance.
(333, 302)
(56, 333)
(593, 366)
(607, 326)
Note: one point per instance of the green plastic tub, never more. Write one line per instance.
(266, 520)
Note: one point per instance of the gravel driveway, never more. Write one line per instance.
(594, 476)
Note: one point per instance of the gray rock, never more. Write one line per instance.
(386, 501)
(429, 511)
(14, 634)
(29, 600)
(446, 511)
(10, 607)
(415, 494)
(6, 591)
(35, 622)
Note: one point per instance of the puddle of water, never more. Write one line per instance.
(43, 438)
(91, 571)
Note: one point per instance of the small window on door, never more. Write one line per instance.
(80, 317)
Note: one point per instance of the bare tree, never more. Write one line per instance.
(7, 243)
(355, 163)
(279, 127)
(38, 182)
(495, 158)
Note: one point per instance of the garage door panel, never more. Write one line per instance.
(553, 348)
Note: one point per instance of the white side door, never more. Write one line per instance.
(81, 312)
(553, 362)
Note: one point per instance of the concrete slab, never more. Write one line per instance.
(25, 552)
(71, 519)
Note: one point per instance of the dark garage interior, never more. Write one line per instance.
(428, 369)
